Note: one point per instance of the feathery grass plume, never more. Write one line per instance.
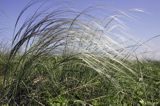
(48, 43)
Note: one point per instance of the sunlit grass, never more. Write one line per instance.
(67, 57)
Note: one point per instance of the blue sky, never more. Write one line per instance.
(147, 25)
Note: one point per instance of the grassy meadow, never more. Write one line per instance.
(68, 58)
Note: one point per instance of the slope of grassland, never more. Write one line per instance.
(76, 84)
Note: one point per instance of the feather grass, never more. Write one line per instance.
(49, 45)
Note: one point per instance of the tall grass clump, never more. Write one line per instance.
(63, 57)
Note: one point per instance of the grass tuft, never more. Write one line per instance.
(63, 57)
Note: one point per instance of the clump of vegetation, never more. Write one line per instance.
(70, 58)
